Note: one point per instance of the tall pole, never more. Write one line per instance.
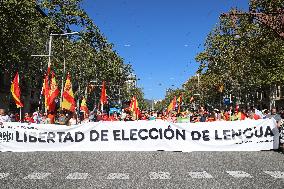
(49, 51)
(96, 105)
(49, 61)
(62, 79)
(20, 114)
(49, 57)
(198, 87)
(198, 82)
(78, 105)
(119, 100)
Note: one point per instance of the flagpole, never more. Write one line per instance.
(20, 114)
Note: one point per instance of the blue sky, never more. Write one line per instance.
(159, 38)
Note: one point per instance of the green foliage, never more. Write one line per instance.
(242, 54)
(25, 29)
(242, 57)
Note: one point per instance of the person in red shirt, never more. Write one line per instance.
(51, 117)
(105, 117)
(243, 114)
(255, 116)
(212, 117)
(143, 117)
(28, 118)
(113, 117)
(227, 115)
(17, 117)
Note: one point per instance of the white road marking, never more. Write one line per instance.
(200, 175)
(239, 174)
(36, 175)
(77, 176)
(160, 175)
(120, 176)
(3, 175)
(275, 174)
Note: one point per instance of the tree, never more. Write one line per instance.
(243, 55)
(25, 29)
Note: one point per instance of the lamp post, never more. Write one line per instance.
(64, 63)
(50, 54)
(94, 84)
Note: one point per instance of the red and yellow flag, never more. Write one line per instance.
(68, 102)
(172, 105)
(53, 93)
(103, 99)
(84, 107)
(134, 107)
(45, 91)
(16, 92)
(179, 100)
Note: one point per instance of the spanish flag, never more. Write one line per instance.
(16, 92)
(53, 93)
(103, 98)
(172, 105)
(45, 91)
(84, 107)
(68, 102)
(103, 94)
(134, 107)
(179, 100)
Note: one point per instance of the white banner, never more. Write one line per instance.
(246, 135)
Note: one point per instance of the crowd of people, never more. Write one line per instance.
(201, 115)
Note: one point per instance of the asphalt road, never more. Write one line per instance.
(142, 170)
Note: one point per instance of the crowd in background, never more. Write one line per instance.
(201, 115)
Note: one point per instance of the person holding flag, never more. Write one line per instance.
(68, 102)
(45, 91)
(179, 100)
(83, 106)
(172, 105)
(16, 93)
(103, 99)
(85, 109)
(134, 108)
(53, 93)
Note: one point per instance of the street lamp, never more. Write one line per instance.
(50, 54)
(50, 42)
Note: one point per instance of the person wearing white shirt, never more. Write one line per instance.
(3, 116)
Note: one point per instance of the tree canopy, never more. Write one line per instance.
(243, 56)
(25, 29)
